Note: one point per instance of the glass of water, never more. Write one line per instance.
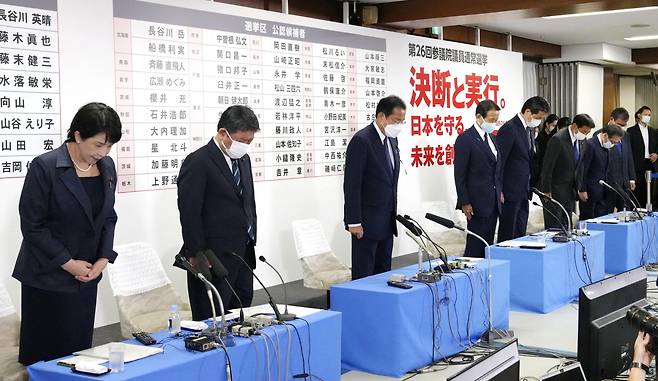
(116, 357)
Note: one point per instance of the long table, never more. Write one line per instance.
(543, 280)
(627, 244)
(249, 358)
(390, 331)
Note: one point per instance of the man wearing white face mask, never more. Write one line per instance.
(476, 177)
(559, 169)
(644, 144)
(593, 167)
(372, 168)
(516, 153)
(218, 210)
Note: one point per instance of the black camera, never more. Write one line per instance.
(645, 322)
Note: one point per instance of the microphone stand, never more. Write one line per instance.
(286, 316)
(444, 268)
(564, 229)
(569, 222)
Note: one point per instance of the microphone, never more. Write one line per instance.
(564, 230)
(220, 272)
(217, 266)
(423, 234)
(451, 225)
(278, 315)
(603, 183)
(286, 316)
(444, 222)
(407, 224)
(203, 273)
(569, 222)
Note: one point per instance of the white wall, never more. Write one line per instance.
(590, 92)
(87, 74)
(627, 95)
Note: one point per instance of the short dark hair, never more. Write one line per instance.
(563, 122)
(536, 105)
(550, 119)
(238, 118)
(619, 113)
(389, 104)
(613, 130)
(485, 106)
(95, 118)
(640, 111)
(583, 120)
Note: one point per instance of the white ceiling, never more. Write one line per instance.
(610, 28)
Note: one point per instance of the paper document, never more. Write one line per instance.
(523, 244)
(131, 352)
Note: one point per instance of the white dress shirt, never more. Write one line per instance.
(226, 157)
(489, 140)
(645, 136)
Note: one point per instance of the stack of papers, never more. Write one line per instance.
(523, 244)
(131, 352)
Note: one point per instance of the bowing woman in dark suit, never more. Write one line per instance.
(67, 220)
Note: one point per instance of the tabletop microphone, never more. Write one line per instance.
(219, 271)
(286, 316)
(279, 317)
(407, 224)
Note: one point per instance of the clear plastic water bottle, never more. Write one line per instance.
(174, 320)
(116, 358)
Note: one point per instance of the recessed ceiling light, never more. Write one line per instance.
(642, 38)
(612, 11)
(640, 25)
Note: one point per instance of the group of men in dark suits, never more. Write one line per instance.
(493, 173)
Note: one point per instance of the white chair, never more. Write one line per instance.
(320, 266)
(142, 290)
(10, 368)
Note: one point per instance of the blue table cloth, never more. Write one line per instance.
(628, 244)
(391, 331)
(248, 358)
(545, 280)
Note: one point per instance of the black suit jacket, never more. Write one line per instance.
(637, 146)
(593, 166)
(515, 156)
(476, 173)
(58, 225)
(559, 166)
(621, 169)
(370, 187)
(213, 213)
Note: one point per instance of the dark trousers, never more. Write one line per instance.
(370, 256)
(240, 278)
(567, 202)
(55, 324)
(513, 220)
(614, 201)
(593, 208)
(485, 227)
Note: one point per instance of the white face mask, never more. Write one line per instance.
(393, 130)
(608, 144)
(646, 119)
(237, 149)
(488, 127)
(534, 123)
(580, 136)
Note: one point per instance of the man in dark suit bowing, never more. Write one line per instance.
(370, 188)
(622, 166)
(218, 211)
(644, 145)
(476, 177)
(515, 152)
(594, 167)
(559, 170)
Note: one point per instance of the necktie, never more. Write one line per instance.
(576, 152)
(236, 174)
(531, 141)
(235, 169)
(387, 154)
(486, 141)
